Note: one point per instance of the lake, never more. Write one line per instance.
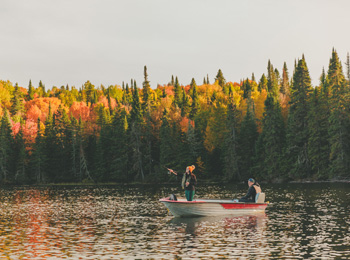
(309, 220)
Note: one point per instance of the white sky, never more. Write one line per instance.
(109, 41)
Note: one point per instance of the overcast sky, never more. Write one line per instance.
(109, 41)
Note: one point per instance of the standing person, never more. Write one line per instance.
(189, 180)
(253, 189)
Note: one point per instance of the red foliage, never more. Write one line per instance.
(30, 129)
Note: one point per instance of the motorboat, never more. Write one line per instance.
(212, 207)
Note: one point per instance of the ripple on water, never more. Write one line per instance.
(129, 222)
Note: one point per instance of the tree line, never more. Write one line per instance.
(277, 128)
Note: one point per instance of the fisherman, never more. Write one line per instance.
(189, 180)
(253, 189)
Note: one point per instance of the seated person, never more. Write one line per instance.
(254, 188)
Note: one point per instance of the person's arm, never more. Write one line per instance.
(249, 193)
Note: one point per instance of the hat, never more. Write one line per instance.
(251, 180)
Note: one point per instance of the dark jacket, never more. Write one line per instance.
(250, 196)
(191, 178)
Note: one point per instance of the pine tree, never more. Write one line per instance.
(220, 79)
(167, 152)
(136, 121)
(177, 93)
(285, 81)
(318, 145)
(271, 143)
(6, 148)
(31, 89)
(119, 146)
(339, 136)
(146, 89)
(272, 80)
(231, 169)
(297, 129)
(17, 104)
(195, 104)
(262, 83)
(185, 104)
(247, 140)
(20, 157)
(38, 157)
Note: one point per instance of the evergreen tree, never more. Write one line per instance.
(31, 89)
(220, 79)
(185, 104)
(247, 140)
(146, 90)
(231, 169)
(339, 119)
(6, 148)
(119, 146)
(262, 83)
(318, 145)
(20, 158)
(195, 104)
(272, 80)
(167, 153)
(17, 104)
(285, 81)
(271, 142)
(38, 158)
(177, 93)
(136, 121)
(297, 129)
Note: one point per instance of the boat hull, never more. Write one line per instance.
(204, 207)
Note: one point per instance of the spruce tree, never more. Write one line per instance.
(339, 133)
(231, 169)
(318, 143)
(146, 90)
(6, 148)
(31, 89)
(271, 142)
(177, 93)
(247, 140)
(195, 104)
(285, 81)
(297, 128)
(262, 83)
(220, 78)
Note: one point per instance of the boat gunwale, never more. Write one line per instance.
(211, 201)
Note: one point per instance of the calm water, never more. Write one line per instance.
(303, 221)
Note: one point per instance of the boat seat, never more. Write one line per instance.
(260, 197)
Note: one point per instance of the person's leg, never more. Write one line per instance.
(192, 194)
(187, 194)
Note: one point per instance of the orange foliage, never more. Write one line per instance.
(23, 90)
(184, 124)
(15, 127)
(39, 107)
(80, 109)
(104, 101)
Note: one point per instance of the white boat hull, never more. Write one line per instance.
(204, 207)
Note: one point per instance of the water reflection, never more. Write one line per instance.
(303, 221)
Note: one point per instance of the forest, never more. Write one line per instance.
(275, 128)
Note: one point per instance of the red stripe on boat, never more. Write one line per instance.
(243, 206)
